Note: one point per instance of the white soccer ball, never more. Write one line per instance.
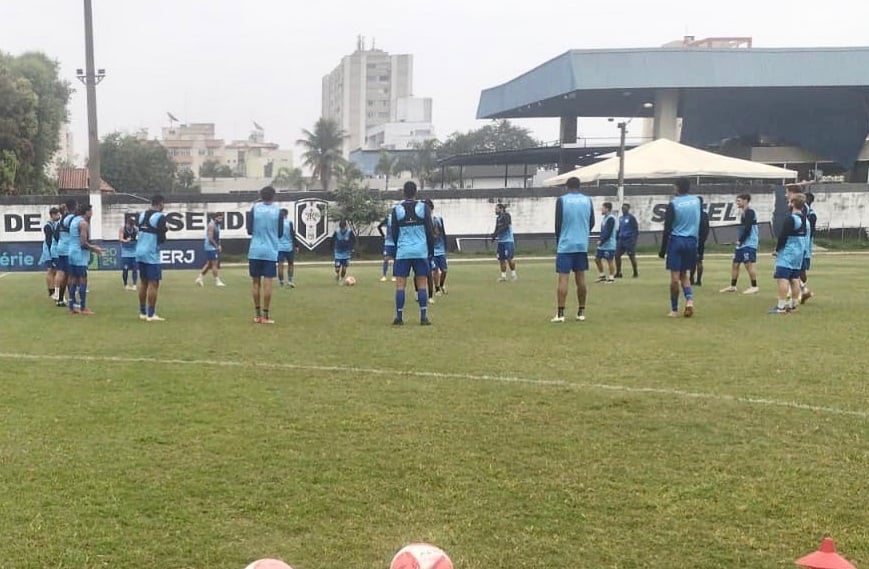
(350, 281)
(268, 564)
(421, 556)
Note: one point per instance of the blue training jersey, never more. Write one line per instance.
(791, 256)
(626, 228)
(148, 244)
(506, 234)
(129, 249)
(752, 239)
(440, 245)
(810, 237)
(610, 243)
(209, 246)
(266, 219)
(63, 242)
(576, 210)
(285, 242)
(343, 243)
(387, 237)
(409, 216)
(78, 256)
(686, 221)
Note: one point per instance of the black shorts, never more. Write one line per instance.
(623, 247)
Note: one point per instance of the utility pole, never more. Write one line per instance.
(90, 79)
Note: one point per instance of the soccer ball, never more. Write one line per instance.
(421, 556)
(268, 564)
(350, 281)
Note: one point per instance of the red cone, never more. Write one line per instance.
(825, 558)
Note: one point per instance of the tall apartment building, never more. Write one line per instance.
(189, 145)
(363, 91)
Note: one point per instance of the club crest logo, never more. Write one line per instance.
(311, 222)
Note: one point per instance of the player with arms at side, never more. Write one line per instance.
(286, 251)
(265, 227)
(439, 259)
(679, 244)
(62, 276)
(789, 255)
(128, 235)
(152, 233)
(503, 234)
(46, 259)
(343, 242)
(212, 250)
(388, 246)
(811, 224)
(80, 249)
(746, 246)
(574, 218)
(412, 232)
(606, 245)
(629, 231)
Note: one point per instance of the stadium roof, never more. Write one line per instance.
(577, 155)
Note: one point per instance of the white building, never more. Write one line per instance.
(411, 124)
(65, 154)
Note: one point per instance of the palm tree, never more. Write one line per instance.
(291, 178)
(347, 173)
(387, 165)
(322, 149)
(424, 160)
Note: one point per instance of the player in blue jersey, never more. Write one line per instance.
(80, 249)
(287, 251)
(128, 235)
(265, 227)
(811, 224)
(574, 218)
(413, 235)
(629, 231)
(343, 242)
(746, 246)
(47, 243)
(152, 233)
(503, 234)
(62, 270)
(789, 255)
(212, 249)
(439, 259)
(679, 244)
(388, 247)
(52, 249)
(606, 245)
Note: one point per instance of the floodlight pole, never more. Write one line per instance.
(90, 80)
(621, 191)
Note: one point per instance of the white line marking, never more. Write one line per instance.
(4, 275)
(471, 377)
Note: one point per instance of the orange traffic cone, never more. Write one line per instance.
(825, 558)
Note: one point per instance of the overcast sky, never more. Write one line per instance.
(232, 62)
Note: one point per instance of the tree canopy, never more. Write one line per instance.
(133, 165)
(502, 135)
(322, 149)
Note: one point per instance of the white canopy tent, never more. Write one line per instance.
(664, 158)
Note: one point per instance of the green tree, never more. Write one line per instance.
(347, 172)
(8, 171)
(186, 179)
(387, 165)
(213, 169)
(291, 178)
(132, 165)
(359, 205)
(502, 135)
(422, 162)
(322, 149)
(19, 126)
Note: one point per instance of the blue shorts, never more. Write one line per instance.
(626, 246)
(128, 263)
(258, 268)
(807, 264)
(401, 267)
(745, 255)
(288, 256)
(567, 262)
(49, 264)
(505, 251)
(62, 263)
(604, 254)
(439, 263)
(681, 254)
(389, 251)
(211, 254)
(786, 273)
(149, 272)
(78, 272)
(342, 263)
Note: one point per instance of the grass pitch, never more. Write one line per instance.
(733, 439)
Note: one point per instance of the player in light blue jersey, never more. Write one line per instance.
(388, 247)
(746, 246)
(265, 227)
(128, 235)
(606, 245)
(789, 255)
(80, 249)
(679, 244)
(574, 218)
(811, 224)
(46, 259)
(439, 259)
(503, 234)
(212, 249)
(287, 251)
(61, 281)
(152, 233)
(343, 242)
(413, 235)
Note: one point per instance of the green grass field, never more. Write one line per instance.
(331, 439)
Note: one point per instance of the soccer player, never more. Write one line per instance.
(80, 249)
(46, 259)
(606, 245)
(506, 244)
(265, 227)
(789, 255)
(128, 235)
(286, 251)
(746, 246)
(439, 259)
(62, 278)
(212, 250)
(152, 233)
(629, 230)
(701, 250)
(53, 250)
(811, 223)
(388, 247)
(679, 244)
(343, 243)
(413, 235)
(574, 218)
